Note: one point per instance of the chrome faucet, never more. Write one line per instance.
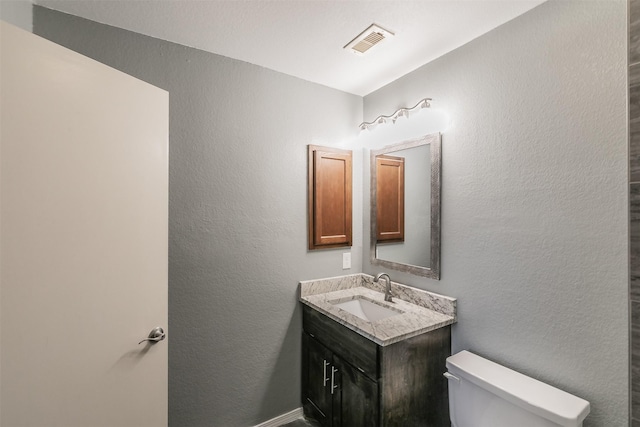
(387, 292)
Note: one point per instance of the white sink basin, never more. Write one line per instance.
(366, 309)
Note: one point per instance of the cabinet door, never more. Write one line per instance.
(329, 197)
(390, 198)
(355, 401)
(316, 380)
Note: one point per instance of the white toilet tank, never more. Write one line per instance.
(485, 394)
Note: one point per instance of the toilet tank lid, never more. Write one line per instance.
(528, 393)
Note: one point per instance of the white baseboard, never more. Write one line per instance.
(283, 419)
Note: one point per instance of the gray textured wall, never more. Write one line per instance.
(534, 197)
(17, 12)
(237, 216)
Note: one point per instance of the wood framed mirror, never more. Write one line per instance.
(405, 206)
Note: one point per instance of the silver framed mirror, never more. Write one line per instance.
(405, 206)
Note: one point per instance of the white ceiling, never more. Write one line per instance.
(305, 38)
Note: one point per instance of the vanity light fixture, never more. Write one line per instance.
(400, 112)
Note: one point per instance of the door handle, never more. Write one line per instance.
(325, 378)
(333, 372)
(156, 334)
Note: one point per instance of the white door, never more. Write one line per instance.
(83, 240)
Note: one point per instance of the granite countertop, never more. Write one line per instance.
(421, 311)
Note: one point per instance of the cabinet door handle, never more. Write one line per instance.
(325, 378)
(333, 372)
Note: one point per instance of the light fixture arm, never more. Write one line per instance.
(400, 112)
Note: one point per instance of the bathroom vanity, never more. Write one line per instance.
(386, 370)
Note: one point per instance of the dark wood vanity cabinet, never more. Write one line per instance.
(337, 394)
(348, 380)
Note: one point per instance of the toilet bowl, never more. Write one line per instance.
(483, 393)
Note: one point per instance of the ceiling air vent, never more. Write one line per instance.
(368, 39)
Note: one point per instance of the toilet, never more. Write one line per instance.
(485, 394)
